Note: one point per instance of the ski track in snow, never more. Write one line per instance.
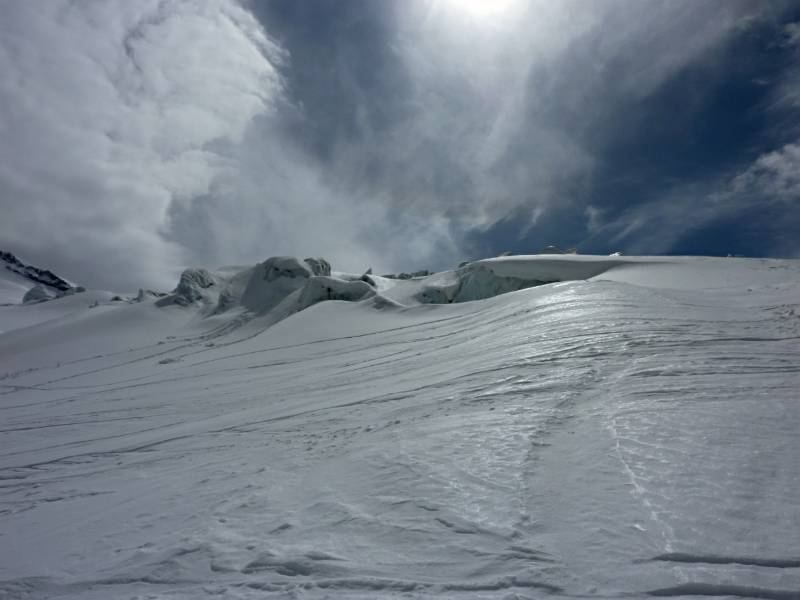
(584, 439)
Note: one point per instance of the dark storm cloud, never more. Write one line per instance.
(140, 137)
(346, 76)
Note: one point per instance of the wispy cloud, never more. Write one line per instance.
(760, 197)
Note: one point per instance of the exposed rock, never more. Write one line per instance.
(35, 274)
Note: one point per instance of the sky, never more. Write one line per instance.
(138, 138)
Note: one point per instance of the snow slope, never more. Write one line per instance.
(14, 316)
(627, 431)
(12, 287)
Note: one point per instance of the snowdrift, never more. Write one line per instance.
(260, 288)
(283, 285)
(492, 277)
(628, 430)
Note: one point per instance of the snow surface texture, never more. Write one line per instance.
(627, 432)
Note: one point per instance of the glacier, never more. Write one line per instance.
(519, 427)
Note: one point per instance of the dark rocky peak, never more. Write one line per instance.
(34, 274)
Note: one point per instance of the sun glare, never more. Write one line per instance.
(482, 8)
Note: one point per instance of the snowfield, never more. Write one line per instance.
(625, 428)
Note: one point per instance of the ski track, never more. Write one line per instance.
(583, 442)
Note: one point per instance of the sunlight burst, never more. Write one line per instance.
(482, 8)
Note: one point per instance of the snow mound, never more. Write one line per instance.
(261, 289)
(192, 287)
(475, 282)
(145, 294)
(320, 289)
(494, 276)
(319, 266)
(273, 280)
(285, 284)
(280, 286)
(37, 293)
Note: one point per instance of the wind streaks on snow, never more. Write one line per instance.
(583, 439)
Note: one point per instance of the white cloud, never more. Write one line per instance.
(775, 176)
(787, 94)
(771, 184)
(792, 34)
(110, 111)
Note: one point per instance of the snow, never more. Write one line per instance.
(14, 316)
(37, 293)
(192, 287)
(22, 283)
(320, 289)
(13, 287)
(272, 281)
(628, 430)
(17, 277)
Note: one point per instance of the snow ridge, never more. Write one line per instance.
(34, 274)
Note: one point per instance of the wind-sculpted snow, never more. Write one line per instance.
(37, 293)
(491, 277)
(628, 434)
(320, 289)
(283, 285)
(319, 266)
(273, 280)
(475, 281)
(260, 289)
(193, 286)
